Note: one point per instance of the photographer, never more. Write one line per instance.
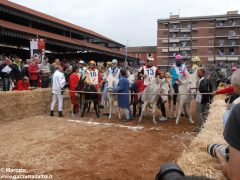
(231, 168)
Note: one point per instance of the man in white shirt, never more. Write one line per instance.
(58, 83)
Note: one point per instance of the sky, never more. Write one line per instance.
(131, 22)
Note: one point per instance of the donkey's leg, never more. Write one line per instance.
(84, 107)
(180, 110)
(110, 108)
(190, 112)
(89, 105)
(154, 113)
(96, 108)
(143, 110)
(119, 114)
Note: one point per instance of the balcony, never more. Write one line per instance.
(185, 30)
(233, 37)
(164, 50)
(233, 58)
(165, 41)
(219, 58)
(211, 59)
(174, 30)
(185, 39)
(173, 49)
(174, 40)
(185, 49)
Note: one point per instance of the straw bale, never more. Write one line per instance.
(15, 105)
(195, 159)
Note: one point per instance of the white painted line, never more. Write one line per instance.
(90, 122)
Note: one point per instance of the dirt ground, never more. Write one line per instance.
(90, 148)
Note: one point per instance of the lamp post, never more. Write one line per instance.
(126, 53)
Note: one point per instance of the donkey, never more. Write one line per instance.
(185, 89)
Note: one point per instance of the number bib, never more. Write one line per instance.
(93, 76)
(151, 75)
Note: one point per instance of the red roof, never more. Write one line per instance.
(51, 18)
(17, 27)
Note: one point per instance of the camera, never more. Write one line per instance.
(169, 171)
(224, 151)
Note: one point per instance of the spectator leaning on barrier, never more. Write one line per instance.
(45, 72)
(202, 100)
(6, 73)
(231, 134)
(34, 71)
(58, 83)
(23, 84)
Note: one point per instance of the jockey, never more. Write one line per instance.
(92, 75)
(115, 72)
(195, 63)
(178, 71)
(149, 72)
(82, 69)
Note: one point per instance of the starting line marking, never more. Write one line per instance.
(90, 122)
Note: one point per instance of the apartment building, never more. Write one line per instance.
(212, 38)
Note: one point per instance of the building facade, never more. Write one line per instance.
(212, 38)
(143, 52)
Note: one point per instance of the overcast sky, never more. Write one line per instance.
(134, 21)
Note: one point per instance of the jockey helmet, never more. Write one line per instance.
(114, 61)
(178, 57)
(92, 62)
(109, 63)
(234, 68)
(196, 59)
(81, 62)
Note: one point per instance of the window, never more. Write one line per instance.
(221, 42)
(232, 52)
(194, 51)
(211, 30)
(174, 35)
(165, 33)
(210, 41)
(194, 42)
(232, 33)
(211, 23)
(137, 55)
(194, 22)
(210, 50)
(184, 44)
(221, 52)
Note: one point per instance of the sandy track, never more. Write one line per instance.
(77, 150)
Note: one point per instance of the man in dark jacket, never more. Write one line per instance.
(6, 73)
(202, 100)
(123, 99)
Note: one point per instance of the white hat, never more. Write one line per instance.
(150, 59)
(114, 61)
(81, 62)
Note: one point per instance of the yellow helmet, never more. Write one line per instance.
(109, 63)
(196, 59)
(92, 62)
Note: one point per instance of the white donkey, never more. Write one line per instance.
(185, 90)
(157, 88)
(112, 82)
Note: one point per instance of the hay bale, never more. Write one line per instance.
(23, 104)
(195, 160)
